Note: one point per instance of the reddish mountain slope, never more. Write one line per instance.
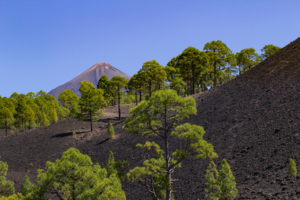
(92, 75)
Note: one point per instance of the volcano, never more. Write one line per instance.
(92, 75)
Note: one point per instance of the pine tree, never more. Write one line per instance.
(104, 84)
(268, 50)
(110, 167)
(53, 114)
(6, 187)
(91, 101)
(154, 74)
(195, 61)
(178, 85)
(21, 110)
(44, 120)
(153, 118)
(292, 170)
(110, 130)
(75, 177)
(118, 83)
(26, 186)
(212, 189)
(133, 86)
(69, 100)
(30, 116)
(226, 182)
(6, 116)
(220, 55)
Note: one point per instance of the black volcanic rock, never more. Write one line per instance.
(92, 75)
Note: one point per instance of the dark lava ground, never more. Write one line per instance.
(253, 121)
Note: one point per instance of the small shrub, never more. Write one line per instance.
(74, 134)
(110, 130)
(88, 137)
(31, 164)
(12, 132)
(66, 144)
(292, 168)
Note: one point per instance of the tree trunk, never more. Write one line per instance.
(119, 103)
(169, 191)
(150, 89)
(73, 193)
(215, 71)
(136, 98)
(91, 121)
(220, 77)
(6, 127)
(193, 74)
(140, 95)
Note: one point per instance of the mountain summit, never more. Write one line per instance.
(92, 75)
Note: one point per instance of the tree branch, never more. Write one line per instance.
(58, 194)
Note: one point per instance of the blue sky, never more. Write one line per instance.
(45, 43)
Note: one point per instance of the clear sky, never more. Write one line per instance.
(46, 43)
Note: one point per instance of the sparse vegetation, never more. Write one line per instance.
(220, 185)
(74, 134)
(292, 170)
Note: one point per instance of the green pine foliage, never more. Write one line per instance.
(21, 111)
(118, 83)
(178, 85)
(268, 50)
(147, 119)
(30, 116)
(90, 102)
(18, 196)
(7, 110)
(6, 187)
(104, 84)
(31, 110)
(212, 188)
(110, 130)
(75, 177)
(44, 120)
(53, 114)
(154, 75)
(292, 170)
(69, 100)
(226, 182)
(26, 186)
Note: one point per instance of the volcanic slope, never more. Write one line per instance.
(253, 121)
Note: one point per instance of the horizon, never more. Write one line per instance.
(45, 44)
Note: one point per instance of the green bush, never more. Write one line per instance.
(110, 130)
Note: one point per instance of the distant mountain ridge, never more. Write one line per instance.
(92, 75)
